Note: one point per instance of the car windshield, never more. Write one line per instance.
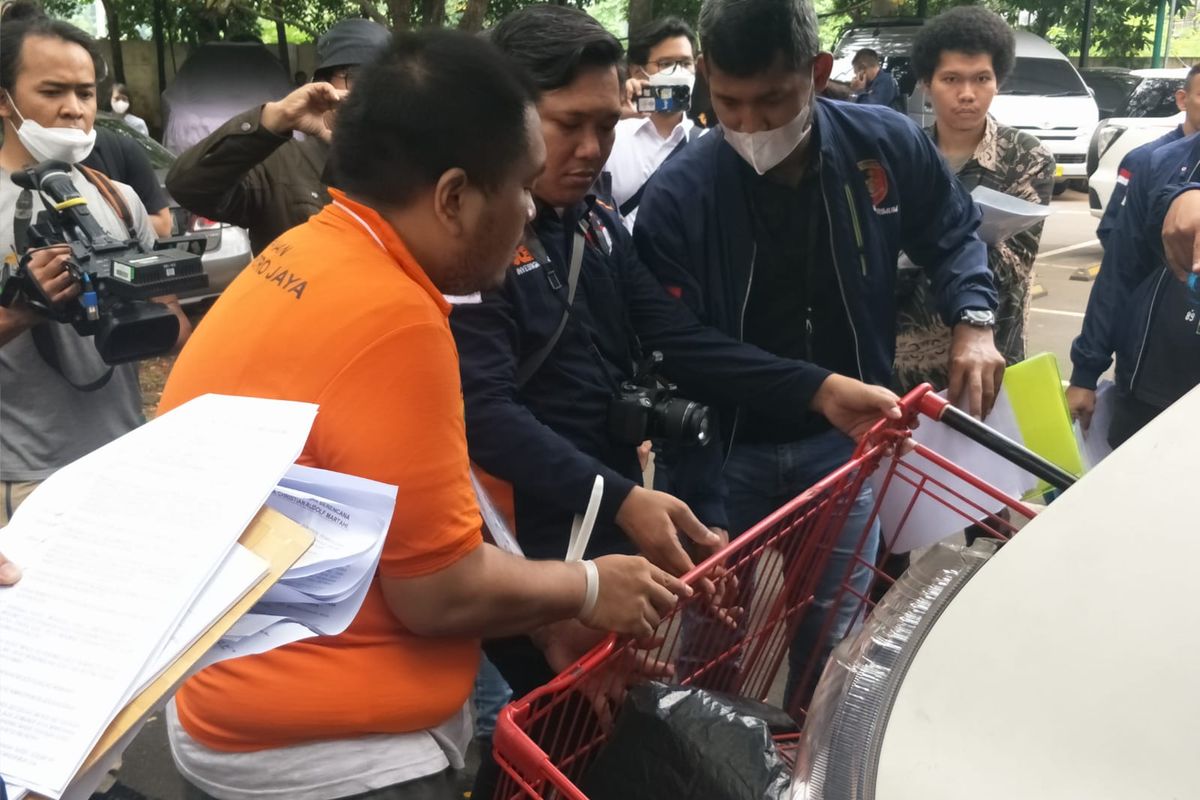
(1045, 77)
(1154, 97)
(160, 157)
(1112, 88)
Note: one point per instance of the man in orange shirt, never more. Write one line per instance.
(347, 311)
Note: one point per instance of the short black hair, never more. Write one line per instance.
(23, 19)
(646, 38)
(432, 101)
(973, 30)
(1193, 72)
(865, 57)
(745, 37)
(554, 44)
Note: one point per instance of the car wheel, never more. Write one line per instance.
(1059, 188)
(1078, 185)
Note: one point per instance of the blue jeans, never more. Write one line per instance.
(760, 479)
(491, 695)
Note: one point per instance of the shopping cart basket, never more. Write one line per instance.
(545, 741)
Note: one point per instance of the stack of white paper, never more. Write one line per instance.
(1093, 443)
(1005, 216)
(128, 555)
(912, 518)
(323, 592)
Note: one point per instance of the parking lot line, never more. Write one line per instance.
(1070, 248)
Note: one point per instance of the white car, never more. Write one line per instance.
(1117, 136)
(1045, 96)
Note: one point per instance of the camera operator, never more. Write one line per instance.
(54, 413)
(252, 171)
(547, 359)
(662, 53)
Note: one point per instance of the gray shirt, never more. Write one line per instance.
(45, 423)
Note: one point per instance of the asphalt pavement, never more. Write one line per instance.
(1068, 248)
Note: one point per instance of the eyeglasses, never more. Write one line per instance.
(668, 64)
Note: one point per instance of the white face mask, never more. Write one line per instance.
(120, 106)
(674, 77)
(71, 145)
(765, 150)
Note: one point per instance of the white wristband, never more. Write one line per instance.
(592, 590)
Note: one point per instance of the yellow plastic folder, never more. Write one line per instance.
(1036, 393)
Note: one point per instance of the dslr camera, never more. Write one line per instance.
(117, 277)
(646, 408)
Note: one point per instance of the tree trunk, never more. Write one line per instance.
(159, 36)
(114, 39)
(281, 34)
(473, 17)
(401, 13)
(433, 13)
(371, 11)
(641, 13)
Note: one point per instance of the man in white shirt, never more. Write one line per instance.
(662, 53)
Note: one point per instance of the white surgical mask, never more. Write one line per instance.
(764, 150)
(71, 145)
(120, 106)
(674, 77)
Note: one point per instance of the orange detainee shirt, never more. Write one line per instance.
(337, 312)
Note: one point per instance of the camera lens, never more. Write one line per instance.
(681, 421)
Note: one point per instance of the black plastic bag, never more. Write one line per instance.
(680, 742)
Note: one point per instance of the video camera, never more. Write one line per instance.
(117, 277)
(646, 408)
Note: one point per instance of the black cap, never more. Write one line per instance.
(351, 42)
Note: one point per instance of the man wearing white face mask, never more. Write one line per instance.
(783, 228)
(60, 401)
(660, 54)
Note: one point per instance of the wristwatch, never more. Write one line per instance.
(978, 317)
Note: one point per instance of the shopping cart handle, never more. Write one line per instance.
(941, 409)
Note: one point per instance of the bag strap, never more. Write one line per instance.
(112, 196)
(48, 349)
(635, 200)
(529, 368)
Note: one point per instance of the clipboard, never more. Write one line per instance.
(271, 536)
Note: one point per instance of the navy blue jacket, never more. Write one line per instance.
(1135, 161)
(883, 91)
(1133, 272)
(549, 439)
(886, 189)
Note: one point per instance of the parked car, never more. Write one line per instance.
(1111, 86)
(218, 81)
(1148, 113)
(227, 247)
(1044, 95)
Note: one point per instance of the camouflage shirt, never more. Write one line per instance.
(1009, 161)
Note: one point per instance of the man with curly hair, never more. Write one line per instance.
(961, 58)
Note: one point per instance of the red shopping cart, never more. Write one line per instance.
(545, 741)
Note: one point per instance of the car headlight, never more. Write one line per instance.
(843, 734)
(1105, 138)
